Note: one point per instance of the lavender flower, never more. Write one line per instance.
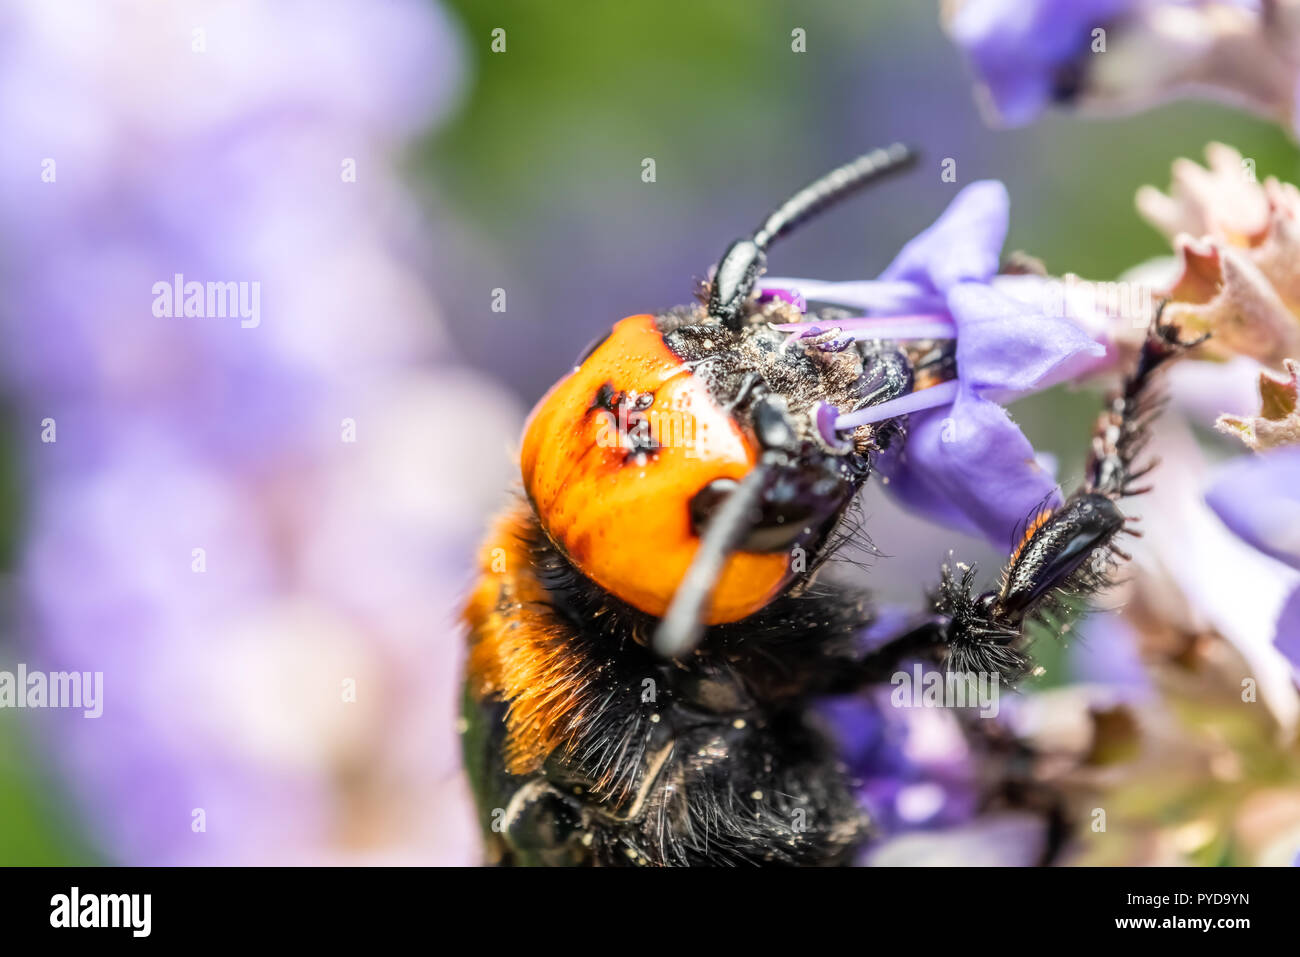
(1258, 497)
(1126, 54)
(965, 462)
(913, 766)
(1288, 630)
(1027, 52)
(256, 532)
(1011, 839)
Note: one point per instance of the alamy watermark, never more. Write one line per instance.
(920, 688)
(127, 911)
(54, 689)
(631, 424)
(180, 299)
(1073, 296)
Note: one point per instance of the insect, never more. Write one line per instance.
(647, 631)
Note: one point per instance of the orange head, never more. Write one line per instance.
(629, 458)
(687, 465)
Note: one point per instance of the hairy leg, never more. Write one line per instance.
(1065, 555)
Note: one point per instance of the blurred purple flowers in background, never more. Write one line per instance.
(256, 526)
(258, 521)
(1127, 54)
(1025, 51)
(913, 766)
(1258, 497)
(966, 446)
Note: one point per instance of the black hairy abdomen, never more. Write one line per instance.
(716, 760)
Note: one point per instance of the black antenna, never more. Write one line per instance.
(682, 624)
(745, 258)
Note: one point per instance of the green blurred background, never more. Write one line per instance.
(537, 181)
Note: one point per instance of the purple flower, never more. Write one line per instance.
(257, 532)
(1288, 630)
(1124, 54)
(912, 767)
(1258, 497)
(1008, 839)
(965, 462)
(1025, 51)
(1109, 656)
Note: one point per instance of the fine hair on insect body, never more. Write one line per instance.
(644, 662)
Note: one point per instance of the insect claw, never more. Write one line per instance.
(1167, 333)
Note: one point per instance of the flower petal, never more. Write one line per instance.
(964, 243)
(1109, 655)
(1258, 497)
(969, 466)
(1011, 839)
(1006, 348)
(1288, 631)
(1278, 422)
(1018, 47)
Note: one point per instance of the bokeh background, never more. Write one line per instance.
(519, 170)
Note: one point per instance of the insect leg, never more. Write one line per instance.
(1123, 427)
(1067, 554)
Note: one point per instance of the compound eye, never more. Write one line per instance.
(773, 426)
(705, 503)
(775, 528)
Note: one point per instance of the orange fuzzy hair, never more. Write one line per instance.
(1038, 522)
(518, 653)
